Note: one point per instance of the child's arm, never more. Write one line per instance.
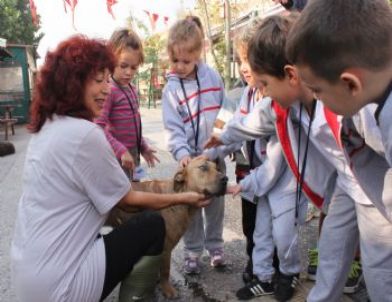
(258, 124)
(223, 119)
(104, 121)
(263, 178)
(176, 137)
(221, 151)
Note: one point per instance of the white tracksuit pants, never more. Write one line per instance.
(346, 223)
(275, 226)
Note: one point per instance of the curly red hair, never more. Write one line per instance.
(61, 81)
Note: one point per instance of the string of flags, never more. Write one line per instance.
(71, 4)
(153, 17)
(109, 4)
(33, 10)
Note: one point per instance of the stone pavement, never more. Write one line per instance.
(211, 285)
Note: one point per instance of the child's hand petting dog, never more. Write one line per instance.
(185, 161)
(213, 141)
(234, 190)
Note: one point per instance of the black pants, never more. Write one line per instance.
(140, 236)
(248, 224)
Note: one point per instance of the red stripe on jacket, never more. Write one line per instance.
(181, 102)
(336, 128)
(334, 125)
(283, 134)
(203, 110)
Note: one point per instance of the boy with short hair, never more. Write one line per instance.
(306, 131)
(352, 75)
(343, 51)
(357, 75)
(268, 191)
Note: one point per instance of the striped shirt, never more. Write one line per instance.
(120, 123)
(189, 117)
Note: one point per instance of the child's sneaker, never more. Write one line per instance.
(217, 258)
(255, 288)
(354, 278)
(313, 263)
(286, 286)
(191, 266)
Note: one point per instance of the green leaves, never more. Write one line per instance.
(16, 22)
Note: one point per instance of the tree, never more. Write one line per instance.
(205, 14)
(155, 60)
(16, 22)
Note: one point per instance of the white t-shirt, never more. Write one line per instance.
(71, 180)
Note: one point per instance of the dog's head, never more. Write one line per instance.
(201, 176)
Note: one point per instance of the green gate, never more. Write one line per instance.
(15, 80)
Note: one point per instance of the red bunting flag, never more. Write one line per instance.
(72, 4)
(109, 4)
(33, 11)
(153, 17)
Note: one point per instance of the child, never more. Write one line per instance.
(347, 78)
(120, 115)
(346, 220)
(191, 101)
(230, 108)
(271, 185)
(357, 80)
(357, 75)
(255, 150)
(247, 155)
(268, 202)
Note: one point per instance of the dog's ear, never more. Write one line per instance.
(179, 180)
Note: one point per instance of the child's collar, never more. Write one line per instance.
(382, 100)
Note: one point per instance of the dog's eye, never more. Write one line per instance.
(203, 168)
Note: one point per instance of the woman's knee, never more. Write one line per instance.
(155, 222)
(156, 226)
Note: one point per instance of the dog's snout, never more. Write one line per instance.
(224, 179)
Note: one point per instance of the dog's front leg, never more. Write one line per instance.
(168, 290)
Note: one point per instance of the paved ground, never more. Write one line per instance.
(210, 286)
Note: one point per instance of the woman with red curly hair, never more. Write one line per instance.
(71, 182)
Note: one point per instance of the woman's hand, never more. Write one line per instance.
(195, 199)
(127, 161)
(213, 141)
(234, 190)
(185, 161)
(150, 157)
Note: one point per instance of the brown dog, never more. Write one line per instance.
(201, 176)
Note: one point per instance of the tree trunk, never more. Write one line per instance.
(208, 26)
